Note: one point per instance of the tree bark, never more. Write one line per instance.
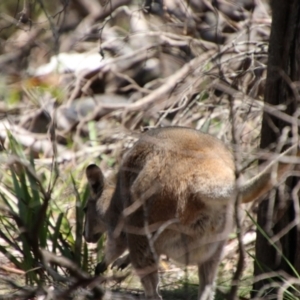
(282, 73)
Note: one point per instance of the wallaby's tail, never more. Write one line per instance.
(264, 181)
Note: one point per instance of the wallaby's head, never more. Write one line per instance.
(96, 205)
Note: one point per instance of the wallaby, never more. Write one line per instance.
(174, 195)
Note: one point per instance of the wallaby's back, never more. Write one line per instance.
(179, 171)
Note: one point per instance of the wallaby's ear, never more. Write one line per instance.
(95, 178)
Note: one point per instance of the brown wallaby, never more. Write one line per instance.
(174, 195)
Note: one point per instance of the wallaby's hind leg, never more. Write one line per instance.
(145, 264)
(206, 277)
(207, 273)
(150, 284)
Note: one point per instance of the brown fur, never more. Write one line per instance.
(174, 195)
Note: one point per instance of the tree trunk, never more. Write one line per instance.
(283, 72)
